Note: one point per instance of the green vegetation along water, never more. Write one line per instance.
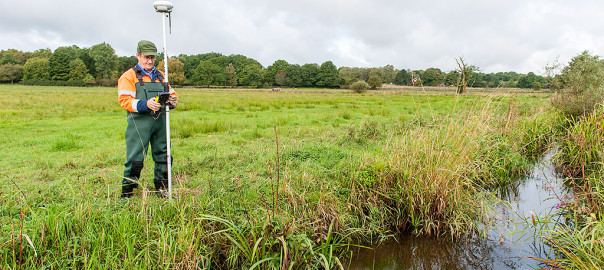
(351, 169)
(530, 206)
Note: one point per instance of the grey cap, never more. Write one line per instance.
(147, 48)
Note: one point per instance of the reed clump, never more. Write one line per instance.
(579, 241)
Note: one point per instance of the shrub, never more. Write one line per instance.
(359, 87)
(575, 105)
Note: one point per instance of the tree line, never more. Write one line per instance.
(99, 65)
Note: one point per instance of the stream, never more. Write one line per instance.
(510, 242)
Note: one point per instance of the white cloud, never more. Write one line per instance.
(350, 51)
(496, 35)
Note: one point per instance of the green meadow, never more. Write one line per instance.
(263, 180)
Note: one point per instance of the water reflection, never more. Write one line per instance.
(510, 241)
(431, 253)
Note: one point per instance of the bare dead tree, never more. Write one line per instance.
(461, 80)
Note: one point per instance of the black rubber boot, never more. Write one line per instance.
(162, 188)
(128, 187)
(131, 176)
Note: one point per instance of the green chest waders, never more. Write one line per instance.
(144, 129)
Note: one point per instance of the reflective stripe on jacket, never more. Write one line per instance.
(126, 90)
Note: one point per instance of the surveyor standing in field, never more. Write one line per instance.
(137, 91)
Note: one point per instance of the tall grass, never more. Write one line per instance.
(579, 243)
(86, 233)
(436, 180)
(582, 159)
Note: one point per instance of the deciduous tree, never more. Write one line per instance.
(105, 61)
(309, 74)
(432, 77)
(388, 73)
(272, 70)
(293, 75)
(12, 56)
(527, 81)
(59, 62)
(78, 72)
(451, 77)
(84, 55)
(10, 73)
(328, 75)
(44, 53)
(403, 77)
(36, 68)
(251, 75)
(583, 79)
(584, 73)
(350, 75)
(374, 82)
(125, 63)
(176, 73)
(208, 73)
(245, 66)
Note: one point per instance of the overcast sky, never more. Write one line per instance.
(496, 35)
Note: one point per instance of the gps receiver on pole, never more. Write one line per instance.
(165, 8)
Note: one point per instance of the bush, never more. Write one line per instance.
(575, 105)
(359, 87)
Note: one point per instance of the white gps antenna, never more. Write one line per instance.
(163, 6)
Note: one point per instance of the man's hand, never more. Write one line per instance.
(152, 105)
(173, 100)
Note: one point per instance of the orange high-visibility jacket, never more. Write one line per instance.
(126, 90)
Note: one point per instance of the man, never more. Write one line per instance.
(137, 91)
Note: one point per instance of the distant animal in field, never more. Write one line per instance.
(276, 89)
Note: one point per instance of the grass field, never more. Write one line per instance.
(264, 179)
